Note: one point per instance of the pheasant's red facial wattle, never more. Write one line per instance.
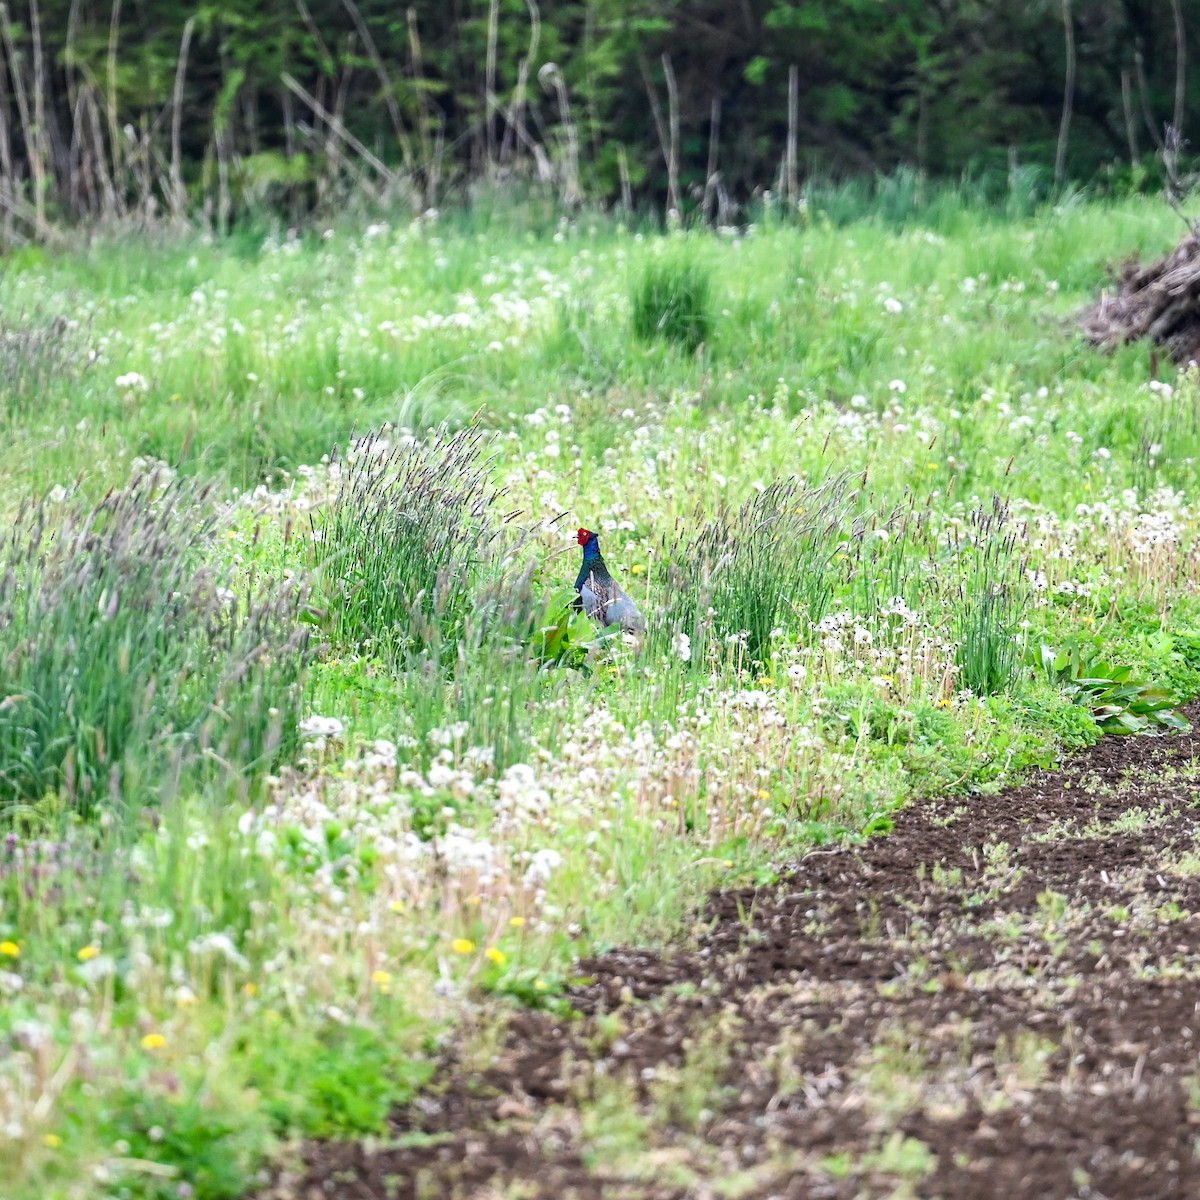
(584, 536)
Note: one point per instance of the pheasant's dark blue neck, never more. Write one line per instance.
(591, 549)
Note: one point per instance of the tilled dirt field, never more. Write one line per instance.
(999, 999)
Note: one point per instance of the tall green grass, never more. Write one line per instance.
(672, 300)
(127, 664)
(987, 601)
(767, 565)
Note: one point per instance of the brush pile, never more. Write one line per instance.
(1160, 301)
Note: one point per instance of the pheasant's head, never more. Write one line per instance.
(584, 536)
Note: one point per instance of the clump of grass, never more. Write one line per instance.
(35, 354)
(124, 658)
(749, 571)
(672, 301)
(398, 553)
(988, 600)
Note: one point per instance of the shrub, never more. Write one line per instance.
(122, 654)
(672, 301)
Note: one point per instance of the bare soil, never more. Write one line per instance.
(1000, 999)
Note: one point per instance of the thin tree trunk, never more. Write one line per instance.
(28, 134)
(1144, 100)
(75, 149)
(1180, 68)
(178, 194)
(1130, 124)
(551, 77)
(328, 62)
(418, 70)
(1064, 127)
(489, 83)
(793, 117)
(8, 180)
(673, 199)
(623, 171)
(40, 144)
(656, 114)
(114, 130)
(99, 156)
(515, 117)
(711, 179)
(83, 195)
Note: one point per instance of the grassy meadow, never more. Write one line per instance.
(302, 755)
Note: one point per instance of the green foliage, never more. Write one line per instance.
(672, 302)
(1118, 701)
(127, 662)
(905, 82)
(341, 1081)
(188, 1141)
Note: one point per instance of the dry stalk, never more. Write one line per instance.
(337, 127)
(385, 80)
(551, 78)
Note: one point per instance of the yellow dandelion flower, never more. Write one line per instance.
(729, 862)
(250, 989)
(473, 900)
(763, 794)
(638, 569)
(11, 949)
(153, 1041)
(462, 946)
(397, 906)
(516, 922)
(540, 985)
(52, 1140)
(931, 466)
(383, 978)
(497, 956)
(87, 952)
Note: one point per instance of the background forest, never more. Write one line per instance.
(144, 109)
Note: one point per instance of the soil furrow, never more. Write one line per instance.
(1001, 998)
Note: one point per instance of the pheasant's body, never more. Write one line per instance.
(599, 595)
